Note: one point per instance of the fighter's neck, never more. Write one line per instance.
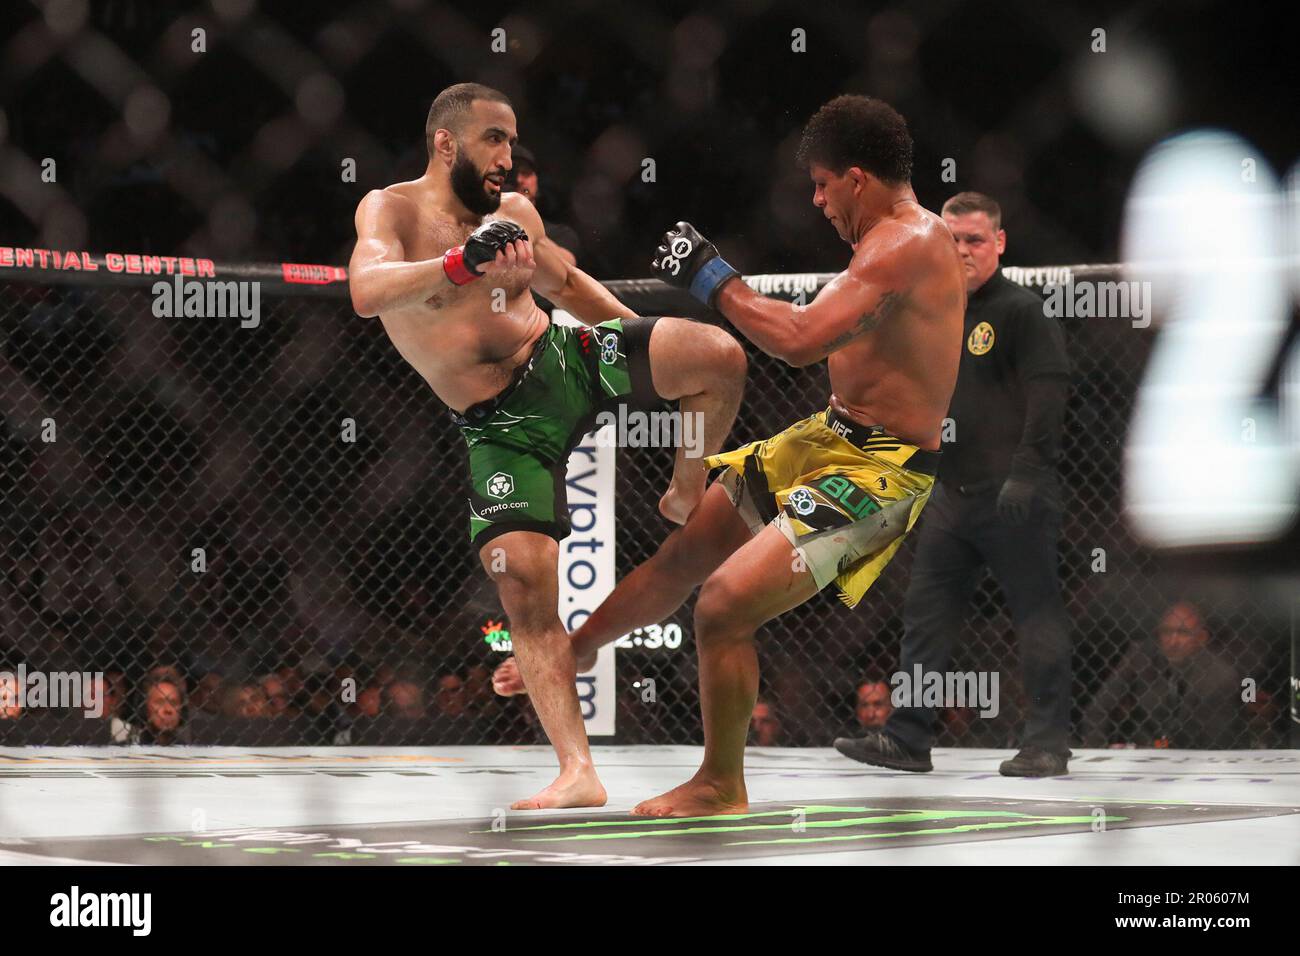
(886, 207)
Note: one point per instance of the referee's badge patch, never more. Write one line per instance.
(980, 339)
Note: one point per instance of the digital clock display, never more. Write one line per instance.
(652, 637)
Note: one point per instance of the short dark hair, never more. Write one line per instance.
(968, 202)
(853, 130)
(451, 106)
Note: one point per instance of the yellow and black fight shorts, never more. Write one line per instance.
(843, 493)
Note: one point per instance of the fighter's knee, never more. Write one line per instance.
(723, 354)
(519, 570)
(720, 608)
(705, 354)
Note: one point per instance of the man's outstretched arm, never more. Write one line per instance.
(851, 305)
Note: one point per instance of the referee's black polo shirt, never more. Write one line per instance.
(1007, 342)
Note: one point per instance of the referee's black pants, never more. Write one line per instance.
(959, 535)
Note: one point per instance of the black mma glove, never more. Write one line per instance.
(461, 262)
(689, 261)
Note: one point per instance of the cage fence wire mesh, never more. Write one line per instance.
(138, 449)
(272, 511)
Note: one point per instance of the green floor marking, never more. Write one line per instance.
(964, 828)
(659, 821)
(909, 816)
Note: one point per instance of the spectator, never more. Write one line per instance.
(874, 705)
(10, 709)
(523, 179)
(764, 726)
(478, 687)
(370, 701)
(110, 689)
(164, 713)
(245, 700)
(404, 699)
(450, 698)
(278, 701)
(1174, 692)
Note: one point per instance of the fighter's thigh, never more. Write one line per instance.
(687, 357)
(761, 580)
(523, 566)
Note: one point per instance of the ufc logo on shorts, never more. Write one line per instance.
(678, 250)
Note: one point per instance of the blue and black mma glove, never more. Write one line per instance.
(689, 261)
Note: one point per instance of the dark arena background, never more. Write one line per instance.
(269, 513)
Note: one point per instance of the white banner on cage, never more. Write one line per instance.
(587, 560)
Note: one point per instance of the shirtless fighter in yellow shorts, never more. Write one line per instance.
(830, 498)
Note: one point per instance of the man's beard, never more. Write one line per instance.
(467, 184)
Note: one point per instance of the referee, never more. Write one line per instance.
(996, 504)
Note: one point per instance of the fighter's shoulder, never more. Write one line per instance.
(390, 204)
(517, 208)
(903, 243)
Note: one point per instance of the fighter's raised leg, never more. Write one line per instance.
(703, 368)
(524, 570)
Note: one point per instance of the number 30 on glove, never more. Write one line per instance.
(689, 261)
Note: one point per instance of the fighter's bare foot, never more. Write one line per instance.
(694, 798)
(506, 679)
(680, 500)
(570, 789)
(508, 682)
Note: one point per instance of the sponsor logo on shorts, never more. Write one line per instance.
(851, 498)
(802, 501)
(504, 506)
(501, 485)
(609, 349)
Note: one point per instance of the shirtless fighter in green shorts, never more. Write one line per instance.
(446, 262)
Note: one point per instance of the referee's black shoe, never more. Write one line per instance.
(1036, 762)
(881, 750)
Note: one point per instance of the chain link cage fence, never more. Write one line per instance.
(264, 516)
(186, 494)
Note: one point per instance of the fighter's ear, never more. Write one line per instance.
(444, 144)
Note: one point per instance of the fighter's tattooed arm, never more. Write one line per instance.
(853, 304)
(867, 322)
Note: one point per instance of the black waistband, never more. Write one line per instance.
(874, 438)
(479, 413)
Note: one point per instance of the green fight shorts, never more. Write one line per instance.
(519, 442)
